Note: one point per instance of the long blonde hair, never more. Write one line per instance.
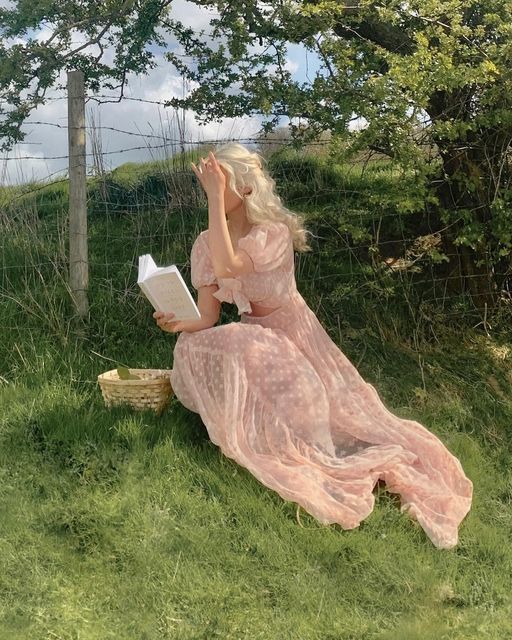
(246, 168)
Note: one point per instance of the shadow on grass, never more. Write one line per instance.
(77, 433)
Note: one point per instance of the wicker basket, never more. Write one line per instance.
(153, 391)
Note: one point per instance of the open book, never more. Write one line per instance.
(166, 290)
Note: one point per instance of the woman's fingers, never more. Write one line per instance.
(165, 322)
(171, 327)
(197, 172)
(209, 173)
(163, 318)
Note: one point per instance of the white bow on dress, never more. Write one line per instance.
(231, 291)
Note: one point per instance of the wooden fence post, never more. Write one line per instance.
(78, 258)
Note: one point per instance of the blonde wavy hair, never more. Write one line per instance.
(247, 168)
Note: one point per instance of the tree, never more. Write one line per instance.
(438, 65)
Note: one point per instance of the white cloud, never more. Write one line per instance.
(192, 14)
(291, 65)
(43, 141)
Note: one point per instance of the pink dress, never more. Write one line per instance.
(280, 398)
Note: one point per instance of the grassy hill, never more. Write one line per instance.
(123, 525)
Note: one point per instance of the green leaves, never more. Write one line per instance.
(124, 374)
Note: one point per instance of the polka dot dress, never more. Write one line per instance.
(280, 398)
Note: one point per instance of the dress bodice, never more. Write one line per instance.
(271, 284)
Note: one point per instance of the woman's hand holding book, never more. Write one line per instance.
(165, 322)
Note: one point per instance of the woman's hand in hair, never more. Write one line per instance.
(210, 175)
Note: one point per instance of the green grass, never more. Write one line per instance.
(118, 524)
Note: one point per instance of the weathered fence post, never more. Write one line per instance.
(78, 259)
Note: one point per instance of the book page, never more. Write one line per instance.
(146, 267)
(172, 295)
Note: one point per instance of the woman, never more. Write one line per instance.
(274, 391)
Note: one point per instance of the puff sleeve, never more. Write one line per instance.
(267, 245)
(201, 268)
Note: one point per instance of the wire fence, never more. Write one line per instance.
(365, 255)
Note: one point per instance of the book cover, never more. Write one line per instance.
(165, 288)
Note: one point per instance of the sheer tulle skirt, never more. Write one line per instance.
(281, 399)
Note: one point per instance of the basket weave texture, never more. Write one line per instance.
(153, 391)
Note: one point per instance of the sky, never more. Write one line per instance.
(44, 143)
